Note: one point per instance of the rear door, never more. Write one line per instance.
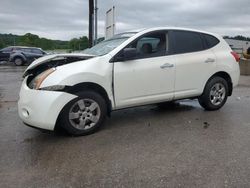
(29, 54)
(194, 63)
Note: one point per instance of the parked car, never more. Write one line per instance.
(22, 55)
(77, 91)
(5, 53)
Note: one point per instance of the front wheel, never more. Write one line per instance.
(215, 94)
(84, 115)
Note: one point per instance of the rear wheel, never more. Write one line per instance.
(18, 61)
(84, 115)
(215, 94)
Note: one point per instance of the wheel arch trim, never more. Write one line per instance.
(18, 56)
(225, 76)
(75, 89)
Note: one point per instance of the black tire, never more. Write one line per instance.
(74, 126)
(18, 61)
(212, 98)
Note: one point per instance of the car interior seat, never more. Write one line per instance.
(146, 48)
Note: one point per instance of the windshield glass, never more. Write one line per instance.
(108, 45)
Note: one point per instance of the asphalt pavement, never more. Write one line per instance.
(177, 146)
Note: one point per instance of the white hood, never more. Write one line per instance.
(47, 58)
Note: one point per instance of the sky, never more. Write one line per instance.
(66, 19)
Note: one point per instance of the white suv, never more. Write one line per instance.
(77, 91)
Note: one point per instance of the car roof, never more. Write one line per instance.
(145, 30)
(24, 47)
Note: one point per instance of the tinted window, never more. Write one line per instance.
(7, 50)
(186, 41)
(36, 51)
(26, 50)
(16, 48)
(211, 40)
(151, 45)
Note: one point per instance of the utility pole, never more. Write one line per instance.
(91, 19)
(96, 18)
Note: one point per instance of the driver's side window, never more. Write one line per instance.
(151, 45)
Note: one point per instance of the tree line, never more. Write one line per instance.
(238, 37)
(74, 44)
(32, 40)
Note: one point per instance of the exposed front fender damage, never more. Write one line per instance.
(55, 60)
(85, 69)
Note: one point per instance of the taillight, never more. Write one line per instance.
(236, 56)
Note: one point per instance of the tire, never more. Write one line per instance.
(18, 61)
(84, 115)
(215, 94)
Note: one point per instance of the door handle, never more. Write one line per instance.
(209, 60)
(167, 65)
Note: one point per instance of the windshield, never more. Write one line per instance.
(108, 45)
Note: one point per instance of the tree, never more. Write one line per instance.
(29, 40)
(34, 40)
(2, 45)
(78, 43)
(238, 37)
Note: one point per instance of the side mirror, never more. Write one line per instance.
(129, 53)
(125, 55)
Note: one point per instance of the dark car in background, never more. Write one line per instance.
(21, 55)
(5, 52)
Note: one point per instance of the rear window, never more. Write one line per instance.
(211, 40)
(186, 41)
(7, 50)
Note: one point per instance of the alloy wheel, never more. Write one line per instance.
(217, 94)
(84, 114)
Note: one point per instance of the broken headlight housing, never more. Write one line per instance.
(36, 82)
(54, 88)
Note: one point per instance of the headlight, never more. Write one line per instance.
(37, 81)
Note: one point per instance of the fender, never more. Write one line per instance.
(17, 54)
(81, 72)
(224, 75)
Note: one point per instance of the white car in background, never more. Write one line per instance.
(77, 91)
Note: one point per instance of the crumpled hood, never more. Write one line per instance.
(55, 60)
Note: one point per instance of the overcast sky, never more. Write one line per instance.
(65, 19)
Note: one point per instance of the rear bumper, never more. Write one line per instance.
(39, 108)
(235, 76)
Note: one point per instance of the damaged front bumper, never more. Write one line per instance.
(41, 108)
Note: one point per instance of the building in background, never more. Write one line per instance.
(238, 46)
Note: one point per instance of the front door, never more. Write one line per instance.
(149, 76)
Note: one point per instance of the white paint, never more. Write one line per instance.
(110, 23)
(43, 107)
(136, 82)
